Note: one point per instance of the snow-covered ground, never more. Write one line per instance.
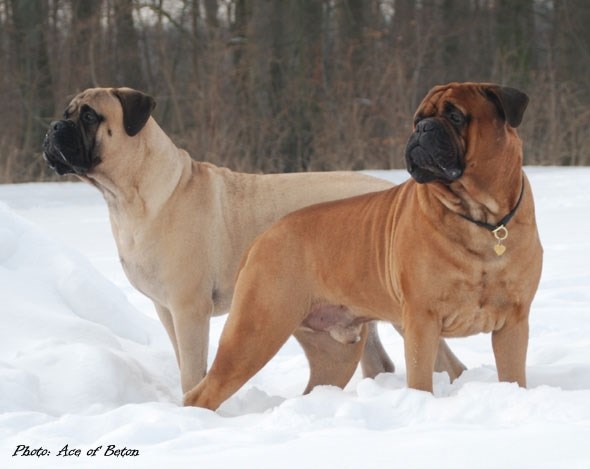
(85, 363)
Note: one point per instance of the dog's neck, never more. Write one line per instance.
(480, 197)
(131, 192)
(486, 204)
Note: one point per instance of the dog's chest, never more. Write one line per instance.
(141, 272)
(138, 257)
(466, 286)
(475, 303)
(136, 269)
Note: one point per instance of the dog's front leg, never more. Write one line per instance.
(446, 360)
(166, 320)
(191, 328)
(421, 340)
(510, 348)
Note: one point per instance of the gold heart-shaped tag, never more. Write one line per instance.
(500, 249)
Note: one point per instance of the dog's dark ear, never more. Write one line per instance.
(137, 108)
(511, 103)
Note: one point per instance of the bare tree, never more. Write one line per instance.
(84, 37)
(127, 57)
(32, 74)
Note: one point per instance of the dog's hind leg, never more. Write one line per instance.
(260, 321)
(330, 362)
(375, 359)
(447, 361)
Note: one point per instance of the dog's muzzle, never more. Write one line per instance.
(432, 153)
(64, 150)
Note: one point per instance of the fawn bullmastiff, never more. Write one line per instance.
(181, 226)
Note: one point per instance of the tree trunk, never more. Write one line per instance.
(33, 73)
(127, 54)
(515, 28)
(84, 36)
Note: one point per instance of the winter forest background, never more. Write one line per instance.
(291, 85)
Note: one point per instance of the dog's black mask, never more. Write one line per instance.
(70, 145)
(433, 152)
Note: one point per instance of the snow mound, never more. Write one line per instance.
(70, 341)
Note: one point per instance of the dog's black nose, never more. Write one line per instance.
(425, 125)
(57, 125)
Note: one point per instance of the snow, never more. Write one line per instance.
(85, 363)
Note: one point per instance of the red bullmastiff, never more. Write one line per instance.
(452, 252)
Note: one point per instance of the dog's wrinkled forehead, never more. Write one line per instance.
(440, 98)
(94, 98)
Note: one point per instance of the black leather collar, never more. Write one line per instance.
(504, 221)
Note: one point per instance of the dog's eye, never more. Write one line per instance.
(416, 120)
(89, 117)
(456, 118)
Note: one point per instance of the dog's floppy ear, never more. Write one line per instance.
(511, 103)
(137, 108)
